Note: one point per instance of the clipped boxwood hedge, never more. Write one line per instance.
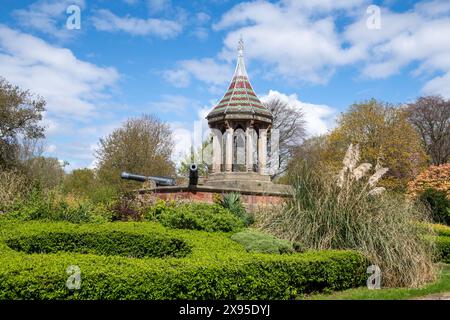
(443, 246)
(217, 268)
(200, 216)
(102, 243)
(255, 241)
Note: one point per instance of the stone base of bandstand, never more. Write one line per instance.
(257, 191)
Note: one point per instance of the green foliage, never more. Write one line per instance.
(102, 243)
(53, 206)
(200, 216)
(20, 118)
(255, 241)
(363, 293)
(443, 246)
(126, 209)
(45, 172)
(142, 145)
(84, 183)
(323, 215)
(216, 268)
(232, 201)
(438, 203)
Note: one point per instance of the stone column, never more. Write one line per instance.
(262, 151)
(229, 150)
(249, 148)
(217, 150)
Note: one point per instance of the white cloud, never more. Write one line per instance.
(301, 47)
(178, 77)
(319, 119)
(416, 37)
(48, 16)
(206, 70)
(307, 44)
(184, 134)
(69, 85)
(105, 20)
(174, 104)
(325, 6)
(438, 86)
(158, 5)
(75, 91)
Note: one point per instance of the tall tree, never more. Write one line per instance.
(141, 145)
(290, 122)
(20, 116)
(431, 117)
(384, 135)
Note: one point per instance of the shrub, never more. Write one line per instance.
(443, 245)
(200, 216)
(350, 212)
(232, 201)
(54, 206)
(126, 209)
(438, 203)
(441, 230)
(13, 188)
(255, 241)
(102, 243)
(216, 268)
(435, 177)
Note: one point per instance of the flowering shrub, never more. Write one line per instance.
(435, 177)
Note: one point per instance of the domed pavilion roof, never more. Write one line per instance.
(240, 101)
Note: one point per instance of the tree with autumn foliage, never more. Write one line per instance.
(385, 136)
(434, 177)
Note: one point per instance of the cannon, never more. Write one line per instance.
(160, 181)
(193, 175)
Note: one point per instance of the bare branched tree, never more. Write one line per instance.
(289, 120)
(431, 117)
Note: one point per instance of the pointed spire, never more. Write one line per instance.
(240, 66)
(240, 97)
(241, 47)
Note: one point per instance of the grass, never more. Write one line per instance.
(326, 213)
(440, 286)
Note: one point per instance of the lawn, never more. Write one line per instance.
(187, 264)
(440, 286)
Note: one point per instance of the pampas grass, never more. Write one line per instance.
(352, 213)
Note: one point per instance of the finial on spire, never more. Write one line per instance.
(241, 47)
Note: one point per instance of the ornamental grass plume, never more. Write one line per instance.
(352, 213)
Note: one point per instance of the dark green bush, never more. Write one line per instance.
(255, 241)
(200, 216)
(438, 204)
(232, 201)
(443, 248)
(102, 243)
(217, 268)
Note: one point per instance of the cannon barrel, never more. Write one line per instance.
(160, 181)
(193, 174)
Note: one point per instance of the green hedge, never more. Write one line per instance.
(443, 245)
(255, 241)
(102, 243)
(217, 268)
(200, 216)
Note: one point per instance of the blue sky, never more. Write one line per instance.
(175, 59)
